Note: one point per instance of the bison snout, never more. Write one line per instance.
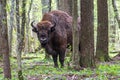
(43, 39)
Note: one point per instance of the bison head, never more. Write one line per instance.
(44, 30)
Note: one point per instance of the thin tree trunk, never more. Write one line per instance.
(46, 6)
(22, 43)
(11, 25)
(57, 3)
(116, 12)
(75, 30)
(87, 34)
(27, 47)
(4, 45)
(50, 6)
(22, 30)
(20, 76)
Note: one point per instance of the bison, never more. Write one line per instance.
(54, 32)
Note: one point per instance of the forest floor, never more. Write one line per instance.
(35, 67)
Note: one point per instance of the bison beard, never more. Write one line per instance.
(54, 32)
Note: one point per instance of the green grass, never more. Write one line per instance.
(44, 70)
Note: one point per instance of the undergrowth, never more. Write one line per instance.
(42, 69)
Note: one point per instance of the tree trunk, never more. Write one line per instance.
(19, 48)
(116, 12)
(75, 30)
(87, 34)
(65, 5)
(22, 30)
(4, 45)
(11, 26)
(102, 31)
(27, 41)
(46, 6)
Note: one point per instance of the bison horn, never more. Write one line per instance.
(32, 24)
(34, 27)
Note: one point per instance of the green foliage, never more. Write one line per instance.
(110, 69)
(34, 65)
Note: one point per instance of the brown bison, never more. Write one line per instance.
(54, 32)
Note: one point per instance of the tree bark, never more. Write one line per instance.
(87, 34)
(46, 6)
(65, 5)
(27, 41)
(19, 47)
(11, 25)
(75, 30)
(4, 45)
(27, 46)
(102, 31)
(116, 12)
(22, 30)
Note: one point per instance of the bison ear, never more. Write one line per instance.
(34, 27)
(53, 27)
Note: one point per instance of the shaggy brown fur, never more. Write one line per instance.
(54, 32)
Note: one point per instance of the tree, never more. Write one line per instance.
(20, 34)
(65, 5)
(46, 6)
(27, 46)
(18, 41)
(116, 15)
(87, 34)
(75, 30)
(116, 12)
(4, 46)
(102, 31)
(22, 30)
(11, 25)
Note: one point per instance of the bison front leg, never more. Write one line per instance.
(55, 60)
(52, 52)
(62, 57)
